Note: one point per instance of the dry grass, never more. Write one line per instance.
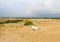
(1, 25)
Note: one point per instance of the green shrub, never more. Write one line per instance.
(28, 23)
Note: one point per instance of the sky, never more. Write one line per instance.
(29, 8)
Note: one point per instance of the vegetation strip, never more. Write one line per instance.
(10, 21)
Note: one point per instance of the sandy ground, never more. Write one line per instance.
(49, 31)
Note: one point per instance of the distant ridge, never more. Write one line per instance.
(35, 15)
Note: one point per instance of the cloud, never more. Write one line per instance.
(29, 7)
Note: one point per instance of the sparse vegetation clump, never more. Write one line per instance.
(13, 21)
(28, 23)
(1, 25)
(2, 22)
(10, 21)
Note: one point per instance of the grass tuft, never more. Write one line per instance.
(1, 25)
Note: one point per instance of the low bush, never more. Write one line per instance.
(28, 23)
(1, 22)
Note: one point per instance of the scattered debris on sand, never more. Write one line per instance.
(34, 27)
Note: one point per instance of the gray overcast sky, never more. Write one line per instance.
(29, 7)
